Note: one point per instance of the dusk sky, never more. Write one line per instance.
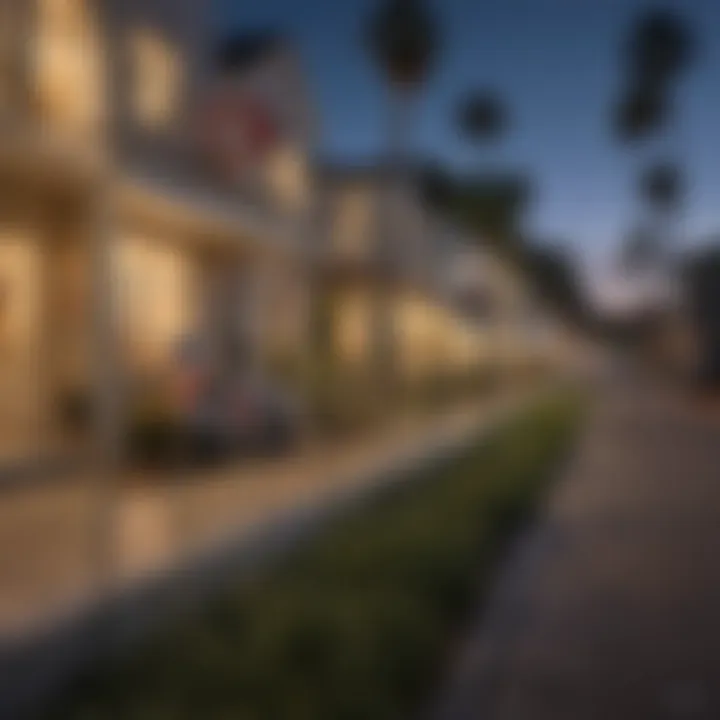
(555, 63)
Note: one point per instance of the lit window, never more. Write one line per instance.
(287, 178)
(155, 81)
(352, 222)
(68, 65)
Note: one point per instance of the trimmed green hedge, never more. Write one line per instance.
(358, 625)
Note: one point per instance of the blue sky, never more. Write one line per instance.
(556, 63)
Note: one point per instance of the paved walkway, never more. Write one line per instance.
(610, 608)
(48, 534)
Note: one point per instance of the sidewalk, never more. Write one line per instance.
(610, 607)
(48, 548)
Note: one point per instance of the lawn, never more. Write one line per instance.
(359, 624)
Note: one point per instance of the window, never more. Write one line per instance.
(287, 177)
(353, 223)
(154, 297)
(156, 79)
(68, 67)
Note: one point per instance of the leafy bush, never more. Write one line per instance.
(356, 625)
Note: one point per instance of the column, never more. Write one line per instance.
(106, 381)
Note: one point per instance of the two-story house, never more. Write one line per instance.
(455, 304)
(154, 184)
(378, 248)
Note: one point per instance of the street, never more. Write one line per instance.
(608, 608)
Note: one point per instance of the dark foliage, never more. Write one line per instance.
(702, 283)
(492, 207)
(640, 113)
(359, 623)
(661, 47)
(403, 39)
(553, 273)
(481, 116)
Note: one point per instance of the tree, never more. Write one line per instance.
(402, 38)
(552, 272)
(661, 47)
(491, 207)
(639, 114)
(481, 117)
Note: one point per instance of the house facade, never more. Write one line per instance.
(456, 304)
(381, 245)
(134, 209)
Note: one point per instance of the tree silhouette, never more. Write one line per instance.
(481, 117)
(552, 272)
(402, 38)
(661, 47)
(639, 114)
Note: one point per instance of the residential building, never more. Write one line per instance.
(135, 210)
(159, 200)
(456, 303)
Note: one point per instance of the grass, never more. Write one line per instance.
(359, 624)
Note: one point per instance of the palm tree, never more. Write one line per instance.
(639, 114)
(402, 38)
(661, 47)
(481, 117)
(642, 113)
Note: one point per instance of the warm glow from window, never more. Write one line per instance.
(156, 78)
(352, 231)
(287, 177)
(352, 327)
(155, 284)
(18, 289)
(19, 322)
(68, 66)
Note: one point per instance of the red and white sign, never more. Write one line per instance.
(238, 130)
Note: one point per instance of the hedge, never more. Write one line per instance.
(359, 624)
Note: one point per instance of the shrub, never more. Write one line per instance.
(356, 625)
